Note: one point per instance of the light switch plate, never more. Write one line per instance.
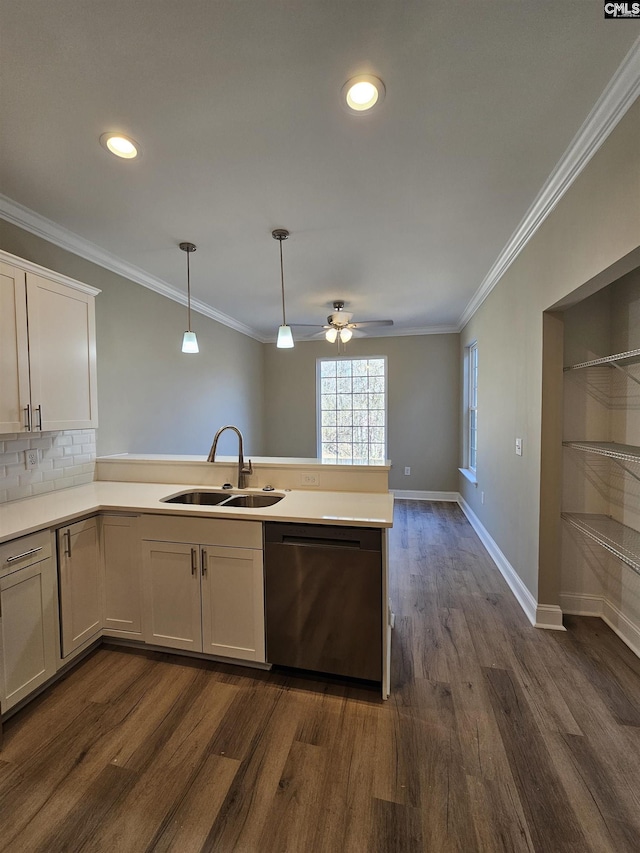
(518, 447)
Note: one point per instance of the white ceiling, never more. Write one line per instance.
(235, 103)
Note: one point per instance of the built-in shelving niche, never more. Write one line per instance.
(601, 465)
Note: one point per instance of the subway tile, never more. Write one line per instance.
(41, 488)
(65, 462)
(18, 492)
(18, 446)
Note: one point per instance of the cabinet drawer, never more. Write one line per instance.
(24, 552)
(233, 533)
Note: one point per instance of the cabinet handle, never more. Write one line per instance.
(27, 426)
(194, 561)
(38, 409)
(67, 550)
(24, 554)
(204, 562)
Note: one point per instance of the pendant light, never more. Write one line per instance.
(285, 338)
(189, 340)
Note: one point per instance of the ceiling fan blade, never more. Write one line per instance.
(309, 325)
(371, 323)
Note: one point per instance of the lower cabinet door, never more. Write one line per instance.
(80, 584)
(232, 602)
(122, 581)
(28, 631)
(172, 595)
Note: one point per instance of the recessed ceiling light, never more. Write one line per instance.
(121, 146)
(362, 93)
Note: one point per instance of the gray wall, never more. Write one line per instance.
(423, 404)
(595, 224)
(152, 398)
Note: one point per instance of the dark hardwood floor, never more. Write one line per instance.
(497, 737)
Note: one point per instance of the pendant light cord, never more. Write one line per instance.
(284, 319)
(188, 291)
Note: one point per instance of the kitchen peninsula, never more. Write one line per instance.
(117, 561)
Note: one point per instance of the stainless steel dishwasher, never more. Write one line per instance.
(324, 598)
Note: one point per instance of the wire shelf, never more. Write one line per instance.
(623, 452)
(608, 359)
(617, 538)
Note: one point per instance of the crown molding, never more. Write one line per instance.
(48, 230)
(620, 93)
(419, 330)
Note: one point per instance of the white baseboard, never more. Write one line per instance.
(547, 616)
(578, 604)
(582, 604)
(409, 495)
(628, 632)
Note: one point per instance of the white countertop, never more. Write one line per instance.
(262, 461)
(355, 509)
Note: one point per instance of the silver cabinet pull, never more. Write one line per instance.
(23, 555)
(204, 562)
(67, 549)
(38, 409)
(194, 561)
(27, 410)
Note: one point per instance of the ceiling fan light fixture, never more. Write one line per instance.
(360, 94)
(331, 335)
(120, 145)
(345, 335)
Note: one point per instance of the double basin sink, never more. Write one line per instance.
(221, 498)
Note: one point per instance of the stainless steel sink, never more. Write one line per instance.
(223, 498)
(253, 500)
(202, 498)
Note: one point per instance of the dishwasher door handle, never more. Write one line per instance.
(311, 542)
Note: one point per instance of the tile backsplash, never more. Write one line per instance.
(64, 459)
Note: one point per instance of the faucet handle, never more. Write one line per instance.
(247, 468)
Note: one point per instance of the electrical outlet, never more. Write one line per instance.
(31, 460)
(407, 471)
(309, 479)
(518, 447)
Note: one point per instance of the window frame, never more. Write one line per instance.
(319, 362)
(472, 407)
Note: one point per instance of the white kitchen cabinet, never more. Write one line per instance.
(47, 350)
(28, 623)
(80, 585)
(121, 576)
(14, 350)
(172, 587)
(204, 592)
(233, 603)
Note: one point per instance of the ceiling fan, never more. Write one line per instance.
(339, 327)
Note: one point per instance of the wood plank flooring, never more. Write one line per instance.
(497, 737)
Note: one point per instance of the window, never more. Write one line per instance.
(472, 437)
(352, 410)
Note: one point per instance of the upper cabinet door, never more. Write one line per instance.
(62, 355)
(14, 351)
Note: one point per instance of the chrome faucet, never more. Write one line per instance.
(243, 470)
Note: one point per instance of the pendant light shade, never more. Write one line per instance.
(345, 335)
(331, 335)
(285, 338)
(189, 340)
